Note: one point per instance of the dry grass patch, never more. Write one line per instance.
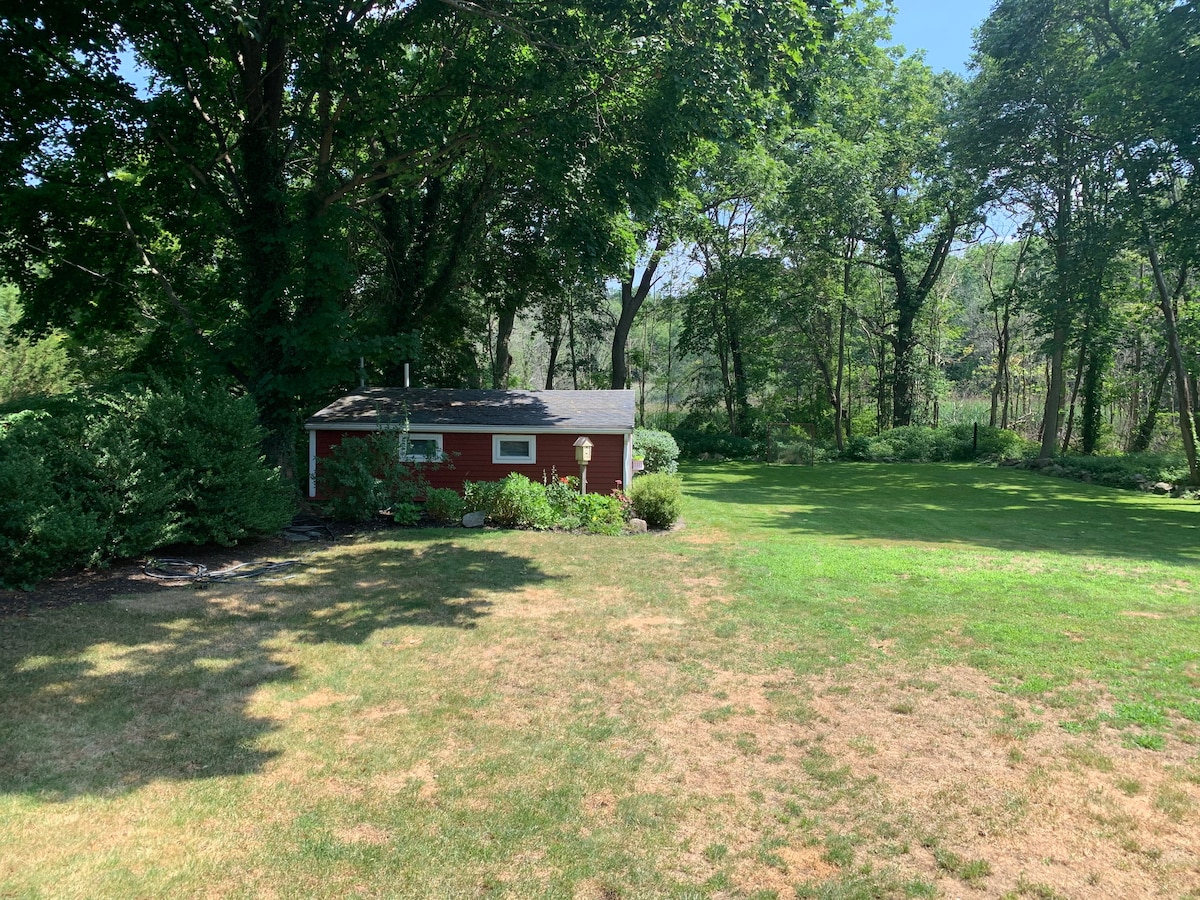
(961, 785)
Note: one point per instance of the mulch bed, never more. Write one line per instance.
(126, 576)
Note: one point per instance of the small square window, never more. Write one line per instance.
(514, 448)
(421, 447)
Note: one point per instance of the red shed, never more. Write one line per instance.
(484, 435)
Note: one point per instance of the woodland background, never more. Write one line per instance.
(750, 211)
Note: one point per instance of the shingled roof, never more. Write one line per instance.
(461, 410)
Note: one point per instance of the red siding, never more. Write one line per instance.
(471, 459)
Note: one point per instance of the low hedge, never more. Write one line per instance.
(694, 444)
(917, 443)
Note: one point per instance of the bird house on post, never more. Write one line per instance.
(583, 456)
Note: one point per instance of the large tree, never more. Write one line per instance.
(286, 175)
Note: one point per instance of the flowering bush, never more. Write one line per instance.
(601, 513)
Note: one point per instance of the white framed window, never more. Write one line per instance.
(514, 448)
(417, 447)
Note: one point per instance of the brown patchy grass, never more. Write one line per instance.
(409, 725)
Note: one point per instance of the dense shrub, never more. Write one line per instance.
(364, 475)
(480, 496)
(521, 503)
(517, 502)
(997, 443)
(405, 512)
(1130, 470)
(657, 498)
(562, 493)
(658, 450)
(802, 452)
(444, 505)
(693, 444)
(600, 513)
(917, 443)
(96, 475)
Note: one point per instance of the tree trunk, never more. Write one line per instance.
(1068, 432)
(502, 362)
(1055, 386)
(1093, 410)
(555, 345)
(910, 299)
(631, 301)
(1175, 350)
(264, 236)
(738, 364)
(839, 414)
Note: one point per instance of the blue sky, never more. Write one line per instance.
(940, 27)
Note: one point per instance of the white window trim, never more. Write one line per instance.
(499, 460)
(420, 457)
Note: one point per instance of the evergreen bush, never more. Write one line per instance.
(658, 450)
(657, 498)
(106, 473)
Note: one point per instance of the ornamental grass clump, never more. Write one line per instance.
(657, 498)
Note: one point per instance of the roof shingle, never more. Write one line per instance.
(532, 410)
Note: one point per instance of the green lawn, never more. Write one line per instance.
(849, 681)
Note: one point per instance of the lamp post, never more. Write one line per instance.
(583, 456)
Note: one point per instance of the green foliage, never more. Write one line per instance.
(370, 164)
(517, 502)
(658, 450)
(94, 476)
(405, 512)
(29, 367)
(694, 443)
(480, 496)
(521, 503)
(1129, 470)
(796, 449)
(916, 443)
(365, 475)
(444, 505)
(601, 513)
(563, 496)
(348, 475)
(657, 498)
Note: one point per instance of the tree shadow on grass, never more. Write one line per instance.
(104, 698)
(957, 504)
